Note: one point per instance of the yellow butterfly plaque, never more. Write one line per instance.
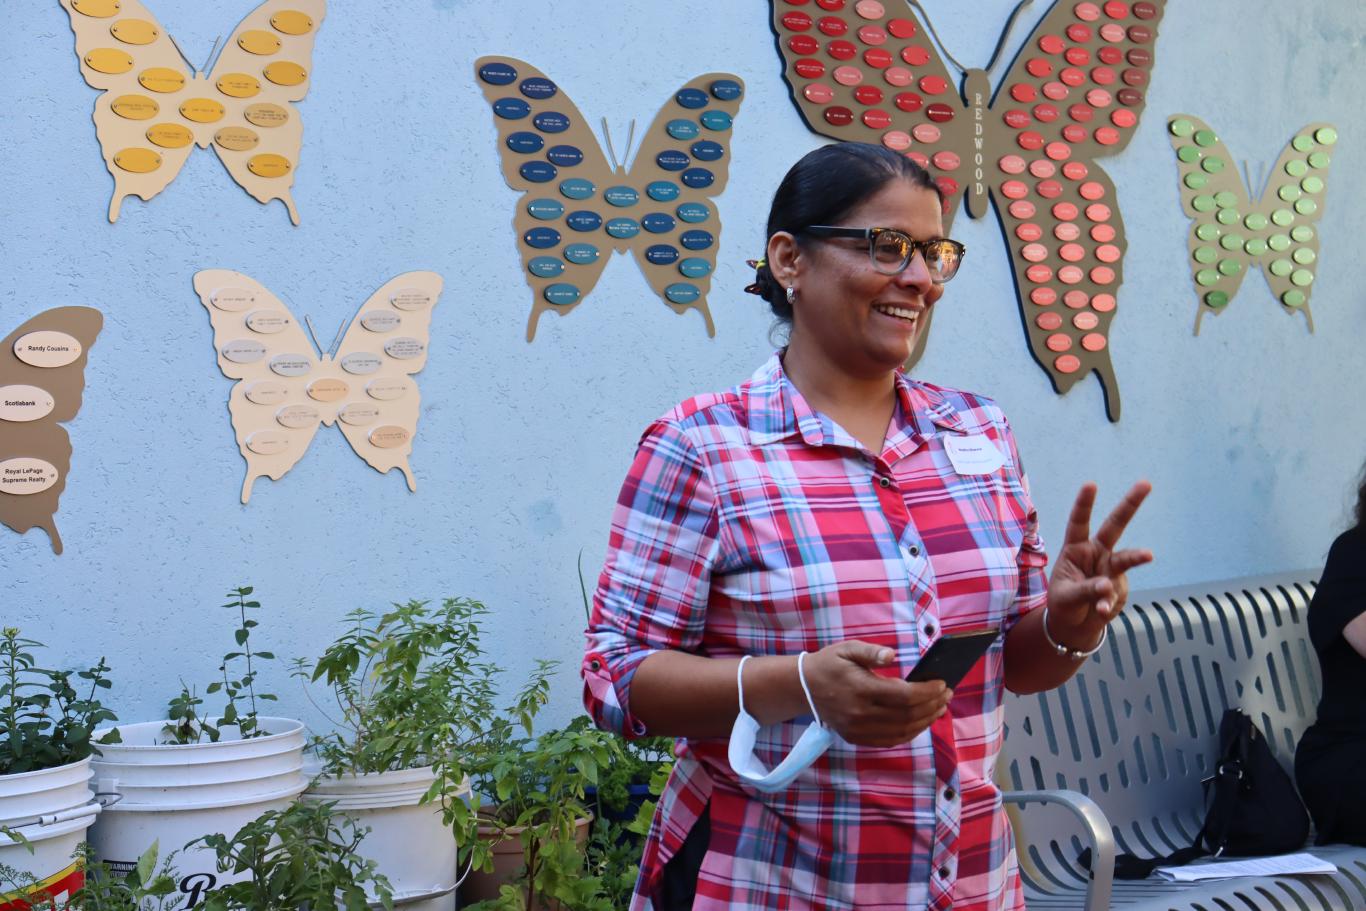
(155, 107)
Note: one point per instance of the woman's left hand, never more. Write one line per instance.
(1088, 587)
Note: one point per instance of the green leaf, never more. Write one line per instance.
(147, 863)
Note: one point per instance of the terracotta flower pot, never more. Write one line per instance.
(507, 860)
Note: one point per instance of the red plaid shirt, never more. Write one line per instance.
(751, 524)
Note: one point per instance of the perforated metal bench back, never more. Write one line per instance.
(1136, 729)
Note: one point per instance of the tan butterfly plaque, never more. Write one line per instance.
(155, 107)
(285, 389)
(42, 375)
(576, 207)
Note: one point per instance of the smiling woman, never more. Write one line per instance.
(784, 553)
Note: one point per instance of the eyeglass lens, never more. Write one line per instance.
(892, 252)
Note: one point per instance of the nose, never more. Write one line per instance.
(916, 275)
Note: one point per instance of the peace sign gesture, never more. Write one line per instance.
(1088, 587)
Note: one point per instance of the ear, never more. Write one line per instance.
(783, 256)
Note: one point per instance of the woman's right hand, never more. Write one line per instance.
(867, 708)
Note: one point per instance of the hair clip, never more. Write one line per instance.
(757, 263)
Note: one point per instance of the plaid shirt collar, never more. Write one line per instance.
(776, 411)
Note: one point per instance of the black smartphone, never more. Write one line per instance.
(952, 656)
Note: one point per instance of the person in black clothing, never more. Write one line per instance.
(1332, 753)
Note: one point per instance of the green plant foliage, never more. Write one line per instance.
(302, 857)
(147, 887)
(411, 688)
(45, 720)
(186, 724)
(538, 788)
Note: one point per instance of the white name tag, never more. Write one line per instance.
(973, 454)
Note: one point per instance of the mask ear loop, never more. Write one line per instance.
(811, 703)
(740, 682)
(801, 676)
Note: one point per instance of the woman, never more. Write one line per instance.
(1330, 755)
(832, 506)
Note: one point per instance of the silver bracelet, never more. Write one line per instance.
(1065, 652)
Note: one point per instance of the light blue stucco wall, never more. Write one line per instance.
(1251, 433)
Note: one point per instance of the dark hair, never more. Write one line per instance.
(823, 186)
(1360, 511)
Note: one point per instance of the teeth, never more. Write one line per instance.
(897, 311)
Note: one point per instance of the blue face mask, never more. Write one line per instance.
(813, 743)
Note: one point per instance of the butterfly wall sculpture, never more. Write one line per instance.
(866, 70)
(1230, 232)
(575, 207)
(364, 384)
(155, 108)
(42, 377)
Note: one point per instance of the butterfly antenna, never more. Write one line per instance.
(212, 51)
(1005, 35)
(176, 44)
(308, 321)
(924, 17)
(611, 153)
(336, 342)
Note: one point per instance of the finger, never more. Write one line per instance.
(903, 696)
(1071, 601)
(1079, 522)
(866, 654)
(1118, 519)
(1121, 561)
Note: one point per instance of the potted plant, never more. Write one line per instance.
(301, 858)
(201, 772)
(410, 696)
(537, 820)
(49, 720)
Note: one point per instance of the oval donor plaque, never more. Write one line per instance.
(268, 442)
(244, 351)
(268, 322)
(411, 299)
(361, 363)
(25, 403)
(359, 414)
(47, 348)
(267, 392)
(387, 389)
(297, 417)
(405, 349)
(381, 321)
(25, 476)
(389, 437)
(328, 389)
(291, 364)
(233, 300)
(265, 114)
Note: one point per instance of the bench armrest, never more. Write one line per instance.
(1099, 834)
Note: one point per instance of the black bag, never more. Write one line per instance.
(1251, 806)
(1255, 809)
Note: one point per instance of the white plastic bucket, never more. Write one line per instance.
(172, 794)
(52, 808)
(407, 841)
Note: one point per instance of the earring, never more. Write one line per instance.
(791, 296)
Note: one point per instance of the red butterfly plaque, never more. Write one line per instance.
(867, 70)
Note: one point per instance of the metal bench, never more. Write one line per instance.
(1113, 760)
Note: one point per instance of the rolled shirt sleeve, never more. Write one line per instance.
(652, 594)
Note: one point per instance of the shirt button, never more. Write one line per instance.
(943, 872)
(929, 630)
(913, 550)
(884, 483)
(595, 666)
(949, 794)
